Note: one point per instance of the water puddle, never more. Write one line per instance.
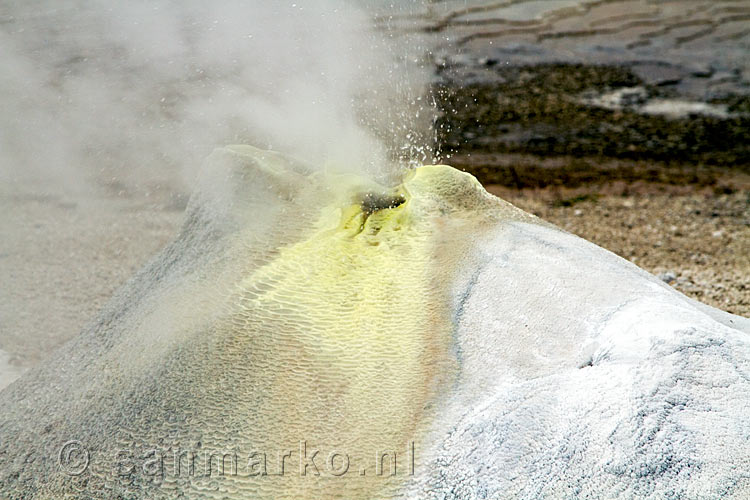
(637, 99)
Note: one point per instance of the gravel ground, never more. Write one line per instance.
(63, 254)
(695, 239)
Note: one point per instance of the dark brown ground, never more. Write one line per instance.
(540, 110)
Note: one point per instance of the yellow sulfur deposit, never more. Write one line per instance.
(350, 334)
(294, 342)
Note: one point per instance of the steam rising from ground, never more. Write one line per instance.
(109, 109)
(141, 91)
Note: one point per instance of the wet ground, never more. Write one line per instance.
(596, 112)
(665, 83)
(638, 80)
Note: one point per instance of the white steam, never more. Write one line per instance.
(108, 109)
(141, 91)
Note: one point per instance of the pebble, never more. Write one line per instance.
(668, 277)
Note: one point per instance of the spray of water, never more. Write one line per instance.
(142, 91)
